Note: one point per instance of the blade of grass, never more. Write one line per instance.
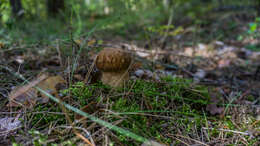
(207, 126)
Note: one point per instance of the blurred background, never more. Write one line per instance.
(39, 20)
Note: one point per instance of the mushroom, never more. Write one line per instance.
(114, 64)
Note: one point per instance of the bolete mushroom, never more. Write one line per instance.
(114, 64)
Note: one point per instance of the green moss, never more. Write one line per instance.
(150, 108)
(45, 114)
(82, 93)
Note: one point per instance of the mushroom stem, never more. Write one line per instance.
(115, 79)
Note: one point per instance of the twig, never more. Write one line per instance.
(192, 139)
(89, 71)
(180, 140)
(59, 52)
(102, 129)
(227, 130)
(88, 135)
(43, 112)
(135, 113)
(25, 88)
(167, 30)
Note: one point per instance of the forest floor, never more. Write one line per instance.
(201, 86)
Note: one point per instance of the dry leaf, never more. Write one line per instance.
(188, 51)
(136, 65)
(78, 77)
(255, 56)
(25, 95)
(49, 85)
(91, 42)
(9, 125)
(158, 66)
(78, 42)
(224, 63)
(214, 100)
(2, 45)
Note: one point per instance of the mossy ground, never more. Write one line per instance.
(167, 111)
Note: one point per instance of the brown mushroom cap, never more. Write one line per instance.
(113, 60)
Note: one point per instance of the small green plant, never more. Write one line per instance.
(253, 26)
(253, 32)
(80, 92)
(169, 30)
(39, 139)
(47, 115)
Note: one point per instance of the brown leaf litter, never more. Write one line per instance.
(27, 95)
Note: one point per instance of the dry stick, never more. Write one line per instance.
(90, 70)
(83, 118)
(11, 48)
(136, 113)
(102, 129)
(130, 89)
(43, 112)
(226, 130)
(192, 139)
(25, 88)
(8, 131)
(169, 23)
(86, 140)
(256, 122)
(59, 53)
(115, 138)
(180, 140)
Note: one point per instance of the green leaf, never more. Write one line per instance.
(252, 27)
